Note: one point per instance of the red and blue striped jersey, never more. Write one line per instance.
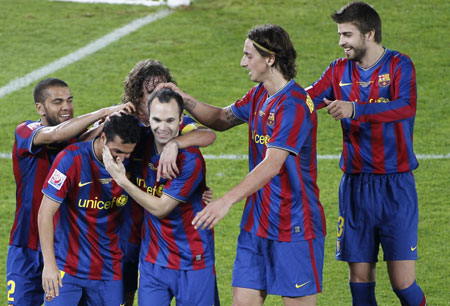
(86, 236)
(287, 208)
(173, 242)
(133, 214)
(379, 138)
(30, 165)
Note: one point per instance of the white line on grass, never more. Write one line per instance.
(244, 157)
(81, 53)
(131, 2)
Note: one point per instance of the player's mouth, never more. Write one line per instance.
(65, 117)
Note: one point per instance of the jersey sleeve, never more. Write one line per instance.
(243, 107)
(322, 88)
(25, 134)
(60, 177)
(292, 126)
(403, 93)
(190, 177)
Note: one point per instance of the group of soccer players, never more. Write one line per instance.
(131, 193)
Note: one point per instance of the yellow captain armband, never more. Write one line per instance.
(189, 128)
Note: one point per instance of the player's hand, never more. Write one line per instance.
(339, 109)
(207, 195)
(114, 167)
(127, 108)
(211, 214)
(51, 279)
(167, 167)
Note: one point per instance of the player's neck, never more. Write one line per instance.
(373, 55)
(98, 149)
(275, 83)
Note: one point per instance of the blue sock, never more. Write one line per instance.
(363, 294)
(411, 296)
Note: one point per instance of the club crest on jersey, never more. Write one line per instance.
(57, 179)
(384, 80)
(49, 298)
(271, 119)
(122, 200)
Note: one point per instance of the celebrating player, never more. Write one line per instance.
(280, 247)
(81, 253)
(138, 86)
(373, 93)
(36, 145)
(175, 259)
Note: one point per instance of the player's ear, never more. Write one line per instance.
(181, 118)
(103, 138)
(40, 108)
(270, 60)
(370, 35)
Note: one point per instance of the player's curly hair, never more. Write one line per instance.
(40, 90)
(141, 73)
(362, 15)
(276, 39)
(123, 125)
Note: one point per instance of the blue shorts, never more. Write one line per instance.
(87, 292)
(159, 285)
(130, 263)
(290, 269)
(376, 209)
(24, 276)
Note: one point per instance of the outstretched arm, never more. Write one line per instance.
(217, 118)
(51, 277)
(73, 127)
(254, 181)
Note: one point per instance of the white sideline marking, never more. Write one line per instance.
(131, 2)
(81, 53)
(244, 157)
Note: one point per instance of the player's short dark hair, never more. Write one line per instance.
(123, 125)
(141, 73)
(276, 39)
(362, 15)
(165, 95)
(40, 90)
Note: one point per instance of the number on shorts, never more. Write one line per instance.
(340, 226)
(11, 291)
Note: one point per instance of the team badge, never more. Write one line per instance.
(122, 200)
(34, 125)
(310, 103)
(49, 298)
(271, 119)
(57, 179)
(384, 80)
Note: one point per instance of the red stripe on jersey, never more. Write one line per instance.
(116, 254)
(192, 235)
(169, 238)
(19, 201)
(250, 219)
(314, 266)
(263, 227)
(153, 248)
(355, 141)
(402, 151)
(73, 245)
(285, 221)
(378, 154)
(308, 226)
(299, 113)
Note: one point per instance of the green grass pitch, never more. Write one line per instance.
(202, 45)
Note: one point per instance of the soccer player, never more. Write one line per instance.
(281, 243)
(138, 86)
(36, 145)
(373, 93)
(176, 260)
(81, 252)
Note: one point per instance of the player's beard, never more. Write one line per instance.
(358, 54)
(54, 120)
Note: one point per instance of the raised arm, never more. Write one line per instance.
(74, 127)
(51, 277)
(254, 181)
(216, 118)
